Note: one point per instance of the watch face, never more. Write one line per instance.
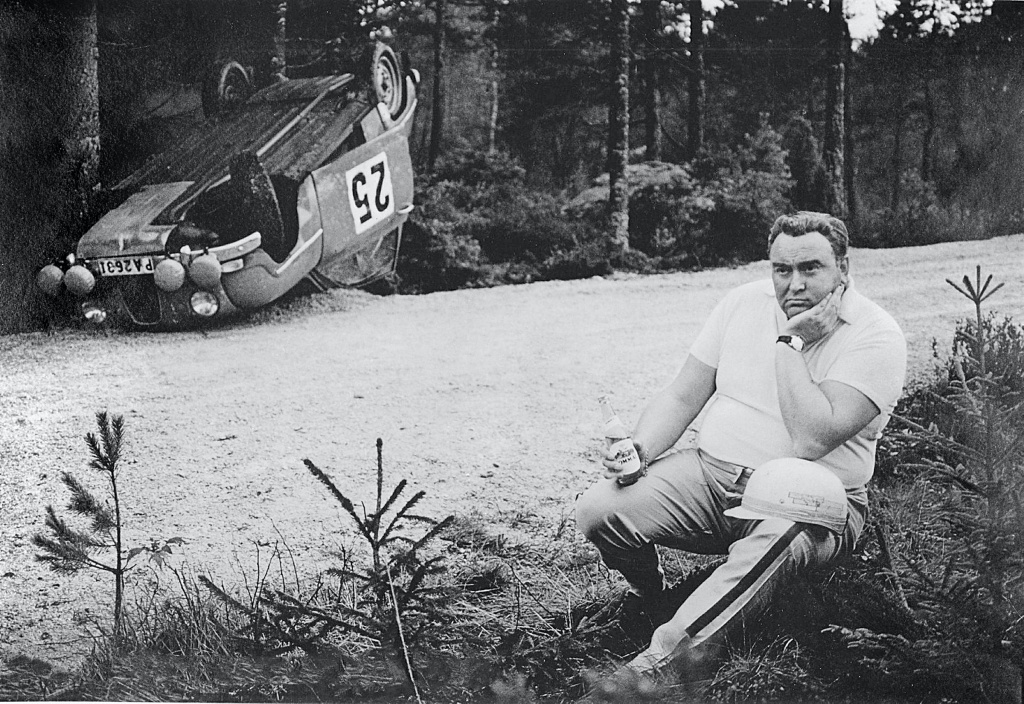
(793, 341)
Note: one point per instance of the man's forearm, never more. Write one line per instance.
(661, 424)
(669, 413)
(806, 410)
(819, 417)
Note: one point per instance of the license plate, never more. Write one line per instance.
(124, 266)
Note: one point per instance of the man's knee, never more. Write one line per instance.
(593, 509)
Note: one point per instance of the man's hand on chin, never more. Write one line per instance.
(818, 321)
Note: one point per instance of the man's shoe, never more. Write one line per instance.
(640, 615)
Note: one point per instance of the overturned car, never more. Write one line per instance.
(309, 179)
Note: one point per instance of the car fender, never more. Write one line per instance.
(262, 280)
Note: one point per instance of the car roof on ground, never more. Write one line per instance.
(294, 126)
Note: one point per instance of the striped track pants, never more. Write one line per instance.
(680, 504)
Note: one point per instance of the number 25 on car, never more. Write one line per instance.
(370, 194)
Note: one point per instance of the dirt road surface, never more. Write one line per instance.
(486, 399)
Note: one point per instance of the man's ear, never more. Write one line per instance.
(844, 268)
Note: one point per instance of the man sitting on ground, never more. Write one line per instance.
(810, 372)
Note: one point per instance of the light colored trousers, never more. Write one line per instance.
(680, 504)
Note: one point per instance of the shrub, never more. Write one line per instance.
(525, 227)
(922, 218)
(478, 224)
(956, 510)
(436, 257)
(750, 189)
(804, 159)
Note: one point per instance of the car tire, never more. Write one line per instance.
(227, 84)
(386, 78)
(257, 203)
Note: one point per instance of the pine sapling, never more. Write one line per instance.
(67, 550)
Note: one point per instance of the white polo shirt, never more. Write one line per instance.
(743, 423)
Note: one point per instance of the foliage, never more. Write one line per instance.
(766, 671)
(478, 224)
(956, 511)
(922, 218)
(803, 155)
(717, 209)
(68, 550)
(393, 601)
(750, 190)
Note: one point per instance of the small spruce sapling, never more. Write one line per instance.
(399, 607)
(963, 564)
(67, 550)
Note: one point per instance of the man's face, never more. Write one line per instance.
(804, 271)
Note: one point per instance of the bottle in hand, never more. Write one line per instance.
(620, 446)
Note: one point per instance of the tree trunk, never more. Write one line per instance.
(49, 154)
(929, 131)
(835, 131)
(697, 88)
(83, 75)
(618, 128)
(278, 58)
(492, 122)
(897, 160)
(437, 108)
(651, 18)
(850, 146)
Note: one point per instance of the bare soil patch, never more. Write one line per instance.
(487, 399)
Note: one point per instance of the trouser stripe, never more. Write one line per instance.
(747, 581)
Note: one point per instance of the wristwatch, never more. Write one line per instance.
(793, 341)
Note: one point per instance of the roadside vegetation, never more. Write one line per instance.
(928, 608)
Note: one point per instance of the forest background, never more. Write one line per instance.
(901, 115)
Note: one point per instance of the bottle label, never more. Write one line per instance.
(624, 456)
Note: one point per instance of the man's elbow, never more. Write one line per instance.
(811, 448)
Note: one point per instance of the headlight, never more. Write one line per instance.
(204, 303)
(93, 313)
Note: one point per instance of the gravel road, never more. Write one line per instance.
(487, 399)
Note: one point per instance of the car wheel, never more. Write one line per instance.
(226, 86)
(257, 203)
(386, 79)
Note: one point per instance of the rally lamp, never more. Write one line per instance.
(169, 275)
(49, 279)
(79, 280)
(204, 304)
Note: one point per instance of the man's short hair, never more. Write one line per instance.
(805, 221)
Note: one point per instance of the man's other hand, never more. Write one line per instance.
(815, 323)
